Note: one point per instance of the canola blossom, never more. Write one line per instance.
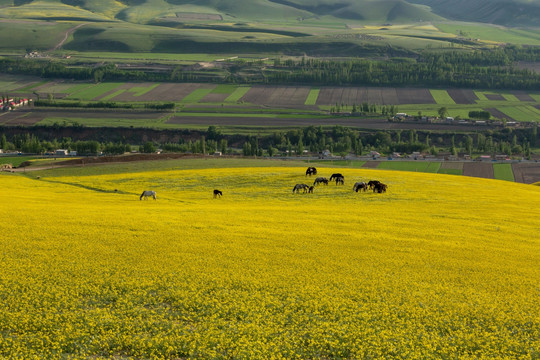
(439, 266)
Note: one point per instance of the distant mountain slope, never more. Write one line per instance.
(142, 11)
(502, 12)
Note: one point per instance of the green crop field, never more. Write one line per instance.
(312, 97)
(503, 172)
(420, 166)
(91, 92)
(521, 113)
(237, 94)
(442, 97)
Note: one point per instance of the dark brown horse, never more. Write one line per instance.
(311, 171)
(372, 183)
(340, 180)
(217, 193)
(310, 190)
(380, 188)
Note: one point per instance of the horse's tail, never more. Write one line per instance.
(141, 196)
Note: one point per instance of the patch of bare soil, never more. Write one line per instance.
(526, 173)
(371, 164)
(462, 96)
(522, 96)
(478, 169)
(495, 97)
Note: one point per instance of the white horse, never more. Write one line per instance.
(147, 193)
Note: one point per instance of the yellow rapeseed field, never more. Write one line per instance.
(439, 267)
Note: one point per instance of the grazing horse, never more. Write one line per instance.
(360, 186)
(372, 183)
(311, 171)
(310, 190)
(217, 193)
(298, 187)
(340, 180)
(147, 193)
(336, 176)
(321, 180)
(380, 188)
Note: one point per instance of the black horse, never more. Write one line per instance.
(321, 180)
(372, 183)
(340, 180)
(310, 190)
(380, 188)
(360, 186)
(217, 193)
(336, 176)
(311, 171)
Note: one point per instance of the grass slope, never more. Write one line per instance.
(263, 272)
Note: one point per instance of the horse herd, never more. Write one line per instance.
(374, 185)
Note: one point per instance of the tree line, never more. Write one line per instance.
(488, 68)
(338, 140)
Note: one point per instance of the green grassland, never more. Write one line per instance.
(442, 97)
(429, 167)
(493, 34)
(503, 172)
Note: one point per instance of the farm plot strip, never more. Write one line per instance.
(495, 97)
(312, 97)
(526, 173)
(478, 169)
(430, 167)
(237, 94)
(442, 97)
(498, 114)
(522, 96)
(503, 172)
(371, 164)
(451, 168)
(93, 92)
(415, 96)
(463, 97)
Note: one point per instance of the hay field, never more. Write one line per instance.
(426, 270)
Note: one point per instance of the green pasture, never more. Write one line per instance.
(91, 92)
(450, 171)
(420, 166)
(15, 160)
(31, 34)
(312, 97)
(503, 172)
(442, 97)
(492, 33)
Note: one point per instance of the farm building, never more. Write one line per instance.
(61, 152)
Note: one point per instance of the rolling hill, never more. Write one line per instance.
(502, 12)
